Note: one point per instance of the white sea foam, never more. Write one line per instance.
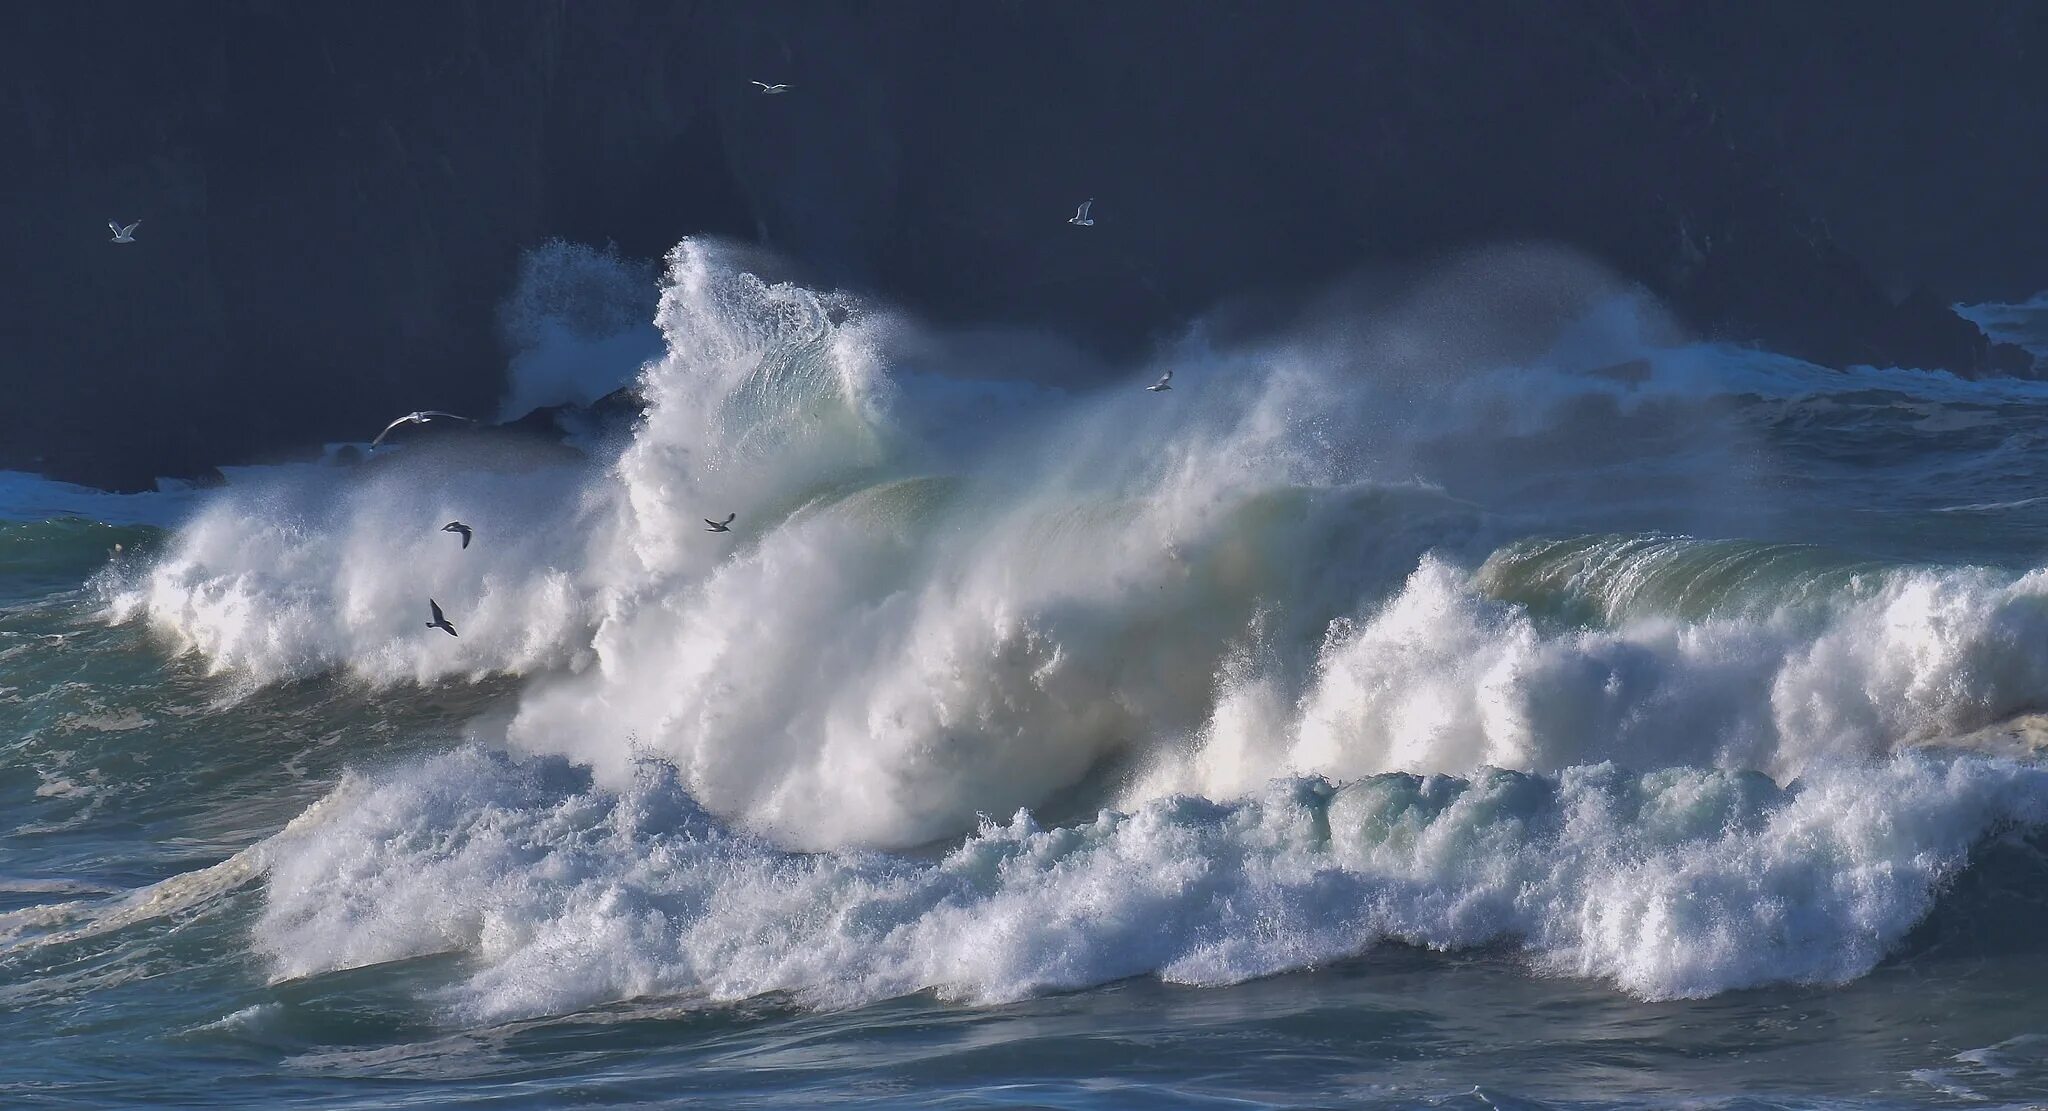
(1667, 884)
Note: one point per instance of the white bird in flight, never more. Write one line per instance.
(720, 526)
(1162, 383)
(440, 620)
(420, 417)
(1081, 218)
(771, 90)
(124, 234)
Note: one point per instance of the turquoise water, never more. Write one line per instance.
(1668, 743)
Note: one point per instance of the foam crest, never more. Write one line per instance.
(1669, 884)
(1443, 677)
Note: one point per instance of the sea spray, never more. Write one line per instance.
(577, 324)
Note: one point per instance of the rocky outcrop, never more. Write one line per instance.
(334, 197)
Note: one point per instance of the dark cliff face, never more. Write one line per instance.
(334, 198)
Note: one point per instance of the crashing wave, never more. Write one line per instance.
(1328, 647)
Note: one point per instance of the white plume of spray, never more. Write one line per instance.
(882, 653)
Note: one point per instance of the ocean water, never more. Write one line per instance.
(1403, 711)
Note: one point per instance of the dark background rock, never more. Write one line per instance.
(335, 197)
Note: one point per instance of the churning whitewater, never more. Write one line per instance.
(996, 689)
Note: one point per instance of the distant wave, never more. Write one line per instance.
(28, 497)
(1993, 506)
(2024, 323)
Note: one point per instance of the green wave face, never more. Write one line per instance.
(38, 558)
(1609, 579)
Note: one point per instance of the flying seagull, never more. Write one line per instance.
(421, 417)
(720, 526)
(439, 621)
(124, 234)
(458, 526)
(1081, 218)
(771, 90)
(1162, 383)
